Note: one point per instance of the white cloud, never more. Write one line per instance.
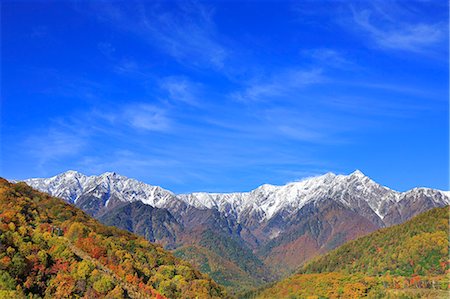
(278, 85)
(186, 33)
(189, 40)
(55, 143)
(137, 115)
(133, 163)
(74, 135)
(327, 57)
(389, 31)
(300, 133)
(146, 117)
(180, 89)
(127, 66)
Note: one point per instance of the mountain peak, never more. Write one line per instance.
(358, 173)
(328, 177)
(267, 187)
(71, 173)
(110, 174)
(266, 199)
(316, 179)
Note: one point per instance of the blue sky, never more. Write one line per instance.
(226, 96)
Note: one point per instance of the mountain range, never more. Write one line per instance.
(409, 260)
(245, 239)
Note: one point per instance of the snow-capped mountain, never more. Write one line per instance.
(268, 200)
(274, 229)
(353, 191)
(72, 185)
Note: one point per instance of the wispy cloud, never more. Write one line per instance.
(390, 30)
(147, 117)
(279, 84)
(189, 35)
(331, 58)
(74, 135)
(393, 25)
(181, 89)
(186, 32)
(132, 163)
(369, 107)
(300, 133)
(55, 143)
(309, 125)
(143, 116)
(401, 89)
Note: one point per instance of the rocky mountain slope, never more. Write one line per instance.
(262, 234)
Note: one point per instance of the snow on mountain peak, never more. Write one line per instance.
(71, 185)
(70, 173)
(267, 200)
(358, 173)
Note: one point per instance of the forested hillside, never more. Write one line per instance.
(404, 261)
(51, 249)
(417, 247)
(231, 264)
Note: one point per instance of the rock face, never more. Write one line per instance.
(156, 225)
(414, 202)
(264, 233)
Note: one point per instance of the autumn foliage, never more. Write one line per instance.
(409, 260)
(50, 249)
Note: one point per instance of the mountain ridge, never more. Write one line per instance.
(306, 190)
(271, 224)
